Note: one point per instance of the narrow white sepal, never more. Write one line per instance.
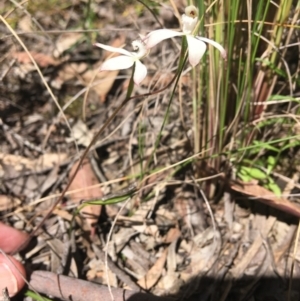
(215, 44)
(156, 36)
(113, 49)
(117, 63)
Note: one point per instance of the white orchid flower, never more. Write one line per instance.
(196, 44)
(127, 60)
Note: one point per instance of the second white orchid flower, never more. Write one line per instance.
(196, 44)
(127, 60)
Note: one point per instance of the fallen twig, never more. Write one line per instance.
(67, 288)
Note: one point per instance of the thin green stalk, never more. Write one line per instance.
(198, 76)
(36, 296)
(182, 60)
(101, 202)
(141, 146)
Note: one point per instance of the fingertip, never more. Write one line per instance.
(11, 239)
(12, 274)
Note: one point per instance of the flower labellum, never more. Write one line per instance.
(196, 44)
(127, 59)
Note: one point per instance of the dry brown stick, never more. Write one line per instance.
(67, 288)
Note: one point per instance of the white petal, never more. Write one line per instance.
(197, 49)
(215, 44)
(140, 72)
(113, 49)
(117, 63)
(156, 36)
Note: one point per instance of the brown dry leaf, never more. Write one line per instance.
(8, 203)
(20, 163)
(141, 213)
(25, 23)
(172, 235)
(42, 59)
(105, 78)
(68, 72)
(98, 272)
(50, 159)
(154, 273)
(265, 224)
(137, 264)
(81, 133)
(65, 41)
(118, 241)
(203, 252)
(170, 282)
(265, 196)
(71, 70)
(13, 171)
(59, 251)
(285, 244)
(85, 178)
(64, 214)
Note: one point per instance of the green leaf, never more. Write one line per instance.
(274, 188)
(271, 161)
(282, 97)
(244, 178)
(266, 146)
(254, 173)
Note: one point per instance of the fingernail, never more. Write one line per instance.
(7, 279)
